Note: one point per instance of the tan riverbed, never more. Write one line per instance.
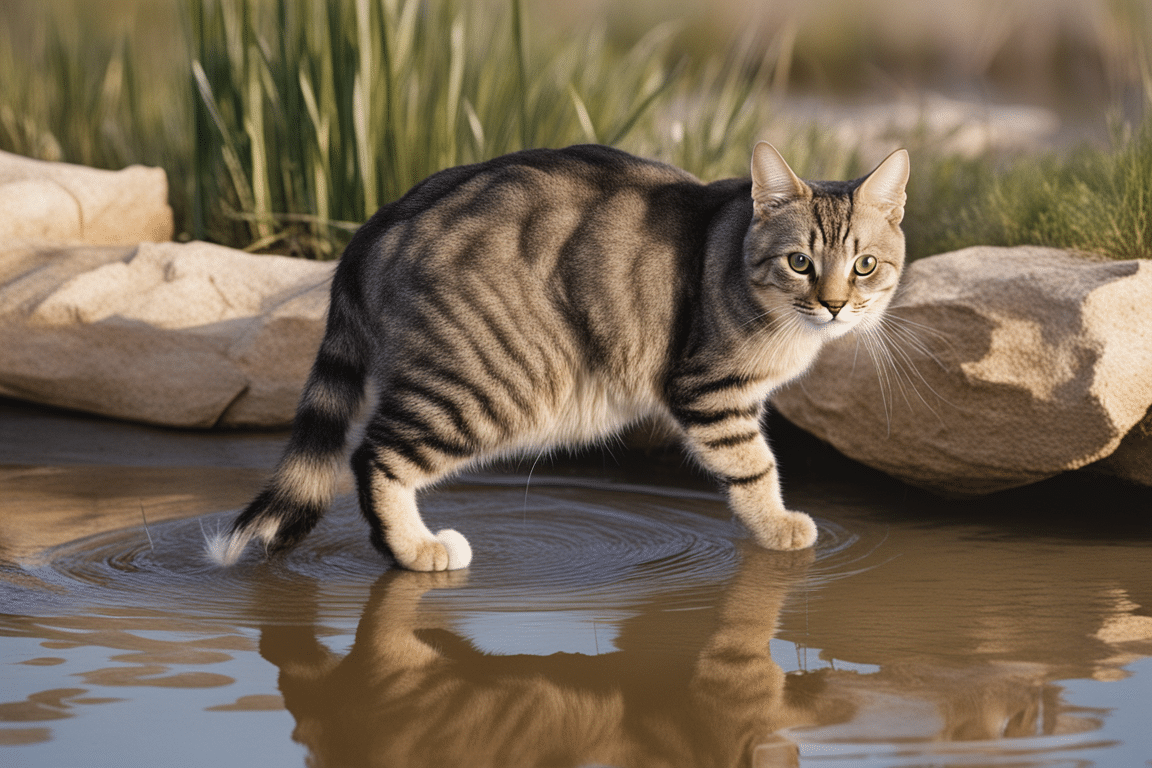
(613, 615)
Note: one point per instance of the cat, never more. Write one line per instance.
(551, 298)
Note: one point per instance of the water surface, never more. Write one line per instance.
(614, 614)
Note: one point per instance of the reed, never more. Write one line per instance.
(1096, 199)
(283, 124)
(310, 115)
(75, 91)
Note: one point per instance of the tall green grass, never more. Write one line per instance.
(311, 115)
(283, 124)
(76, 88)
(1096, 199)
(83, 102)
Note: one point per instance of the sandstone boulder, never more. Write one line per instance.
(187, 335)
(998, 367)
(42, 202)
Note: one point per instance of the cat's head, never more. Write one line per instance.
(825, 256)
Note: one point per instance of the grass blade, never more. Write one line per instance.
(230, 154)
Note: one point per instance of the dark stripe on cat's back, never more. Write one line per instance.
(575, 282)
(425, 391)
(722, 215)
(454, 379)
(517, 353)
(465, 332)
(536, 219)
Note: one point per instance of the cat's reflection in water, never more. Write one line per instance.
(411, 693)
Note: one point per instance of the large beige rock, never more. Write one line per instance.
(189, 335)
(1132, 459)
(42, 202)
(1005, 366)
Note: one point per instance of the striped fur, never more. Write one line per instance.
(552, 297)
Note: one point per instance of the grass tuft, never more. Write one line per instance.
(358, 100)
(282, 125)
(1097, 200)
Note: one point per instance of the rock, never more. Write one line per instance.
(42, 202)
(1003, 366)
(1132, 459)
(192, 335)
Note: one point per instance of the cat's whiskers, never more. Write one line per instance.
(902, 369)
(777, 318)
(886, 343)
(874, 351)
(528, 482)
(898, 334)
(910, 331)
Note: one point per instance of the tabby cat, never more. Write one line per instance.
(552, 297)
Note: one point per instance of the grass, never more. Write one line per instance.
(283, 125)
(1092, 199)
(312, 115)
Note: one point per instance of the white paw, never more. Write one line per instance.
(787, 531)
(459, 551)
(448, 551)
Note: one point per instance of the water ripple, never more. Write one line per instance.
(560, 546)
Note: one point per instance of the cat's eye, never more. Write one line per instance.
(865, 265)
(800, 262)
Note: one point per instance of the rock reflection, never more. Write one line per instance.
(411, 692)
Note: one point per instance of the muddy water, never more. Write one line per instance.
(613, 615)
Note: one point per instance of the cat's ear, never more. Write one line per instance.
(884, 187)
(773, 181)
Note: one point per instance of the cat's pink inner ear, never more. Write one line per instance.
(884, 187)
(773, 181)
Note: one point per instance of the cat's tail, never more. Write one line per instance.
(304, 482)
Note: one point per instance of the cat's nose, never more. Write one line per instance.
(833, 306)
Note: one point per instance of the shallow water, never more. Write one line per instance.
(614, 615)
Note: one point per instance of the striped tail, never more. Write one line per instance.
(304, 482)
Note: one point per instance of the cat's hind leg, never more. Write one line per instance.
(388, 503)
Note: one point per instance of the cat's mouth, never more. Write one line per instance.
(828, 324)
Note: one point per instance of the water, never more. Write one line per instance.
(614, 614)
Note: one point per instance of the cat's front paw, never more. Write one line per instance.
(787, 531)
(448, 551)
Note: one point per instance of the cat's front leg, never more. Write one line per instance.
(731, 445)
(758, 504)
